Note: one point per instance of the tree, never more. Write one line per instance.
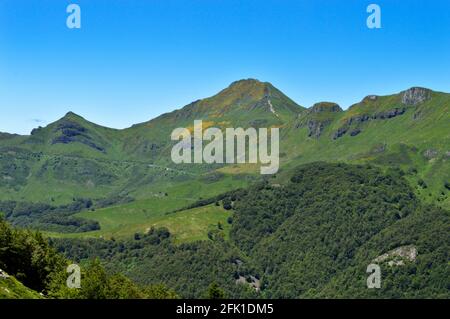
(215, 292)
(159, 292)
(227, 204)
(27, 256)
(422, 183)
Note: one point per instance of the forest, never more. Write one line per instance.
(313, 237)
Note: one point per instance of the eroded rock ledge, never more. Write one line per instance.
(365, 118)
(415, 95)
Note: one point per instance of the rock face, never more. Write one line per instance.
(320, 116)
(415, 95)
(316, 128)
(389, 114)
(340, 132)
(358, 119)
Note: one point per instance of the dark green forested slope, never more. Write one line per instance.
(31, 269)
(313, 237)
(332, 220)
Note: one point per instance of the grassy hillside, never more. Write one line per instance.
(127, 220)
(10, 288)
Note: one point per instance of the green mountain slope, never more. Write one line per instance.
(409, 130)
(245, 103)
(74, 158)
(10, 288)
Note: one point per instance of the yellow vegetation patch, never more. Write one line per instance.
(239, 169)
(205, 125)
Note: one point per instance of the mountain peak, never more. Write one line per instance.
(72, 115)
(247, 82)
(247, 87)
(252, 94)
(244, 101)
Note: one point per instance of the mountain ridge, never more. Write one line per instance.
(396, 129)
(258, 86)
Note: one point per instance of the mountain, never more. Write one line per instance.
(357, 186)
(241, 102)
(74, 158)
(245, 103)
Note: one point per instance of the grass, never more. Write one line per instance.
(194, 224)
(140, 216)
(10, 288)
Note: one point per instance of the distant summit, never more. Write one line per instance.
(325, 107)
(247, 102)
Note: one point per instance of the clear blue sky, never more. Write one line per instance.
(133, 60)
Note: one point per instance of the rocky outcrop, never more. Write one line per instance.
(389, 114)
(315, 128)
(358, 119)
(340, 132)
(252, 281)
(430, 153)
(319, 116)
(415, 95)
(370, 98)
